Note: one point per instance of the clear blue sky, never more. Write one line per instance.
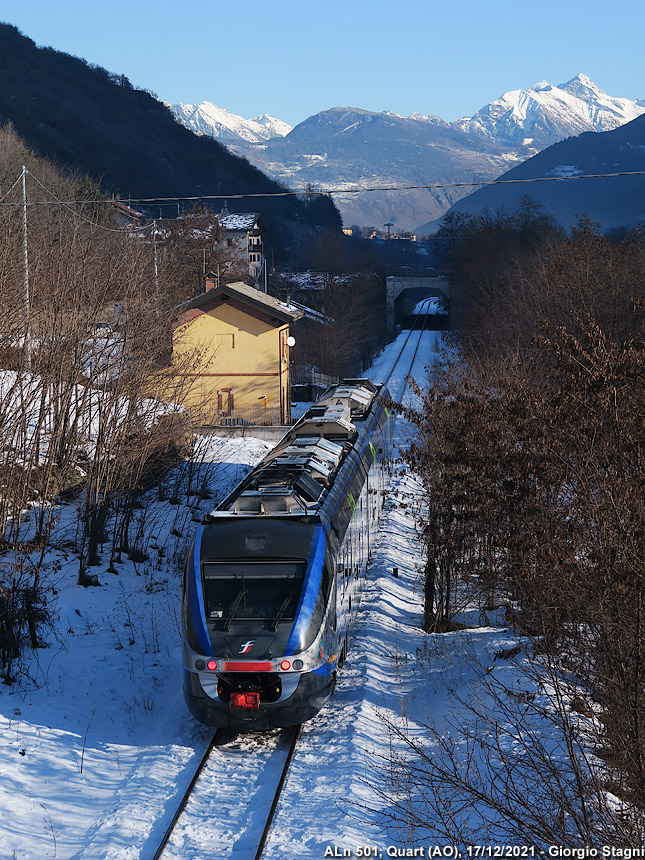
(293, 58)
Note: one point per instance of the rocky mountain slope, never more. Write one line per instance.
(535, 118)
(346, 148)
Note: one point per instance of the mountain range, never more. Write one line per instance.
(94, 121)
(536, 118)
(346, 148)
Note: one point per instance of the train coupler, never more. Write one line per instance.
(248, 701)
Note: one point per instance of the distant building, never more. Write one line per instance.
(241, 240)
(239, 339)
(125, 215)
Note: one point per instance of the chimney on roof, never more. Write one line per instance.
(210, 281)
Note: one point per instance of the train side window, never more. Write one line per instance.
(326, 580)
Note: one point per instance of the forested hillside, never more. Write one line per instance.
(95, 121)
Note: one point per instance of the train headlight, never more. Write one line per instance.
(200, 664)
(212, 665)
(285, 665)
(297, 664)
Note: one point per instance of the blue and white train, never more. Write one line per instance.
(272, 580)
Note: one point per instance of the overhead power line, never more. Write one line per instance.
(428, 186)
(321, 191)
(69, 205)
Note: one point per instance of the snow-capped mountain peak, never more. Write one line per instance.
(209, 119)
(276, 126)
(581, 83)
(546, 113)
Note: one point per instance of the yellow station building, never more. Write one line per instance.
(232, 346)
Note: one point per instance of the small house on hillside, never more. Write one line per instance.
(241, 239)
(239, 338)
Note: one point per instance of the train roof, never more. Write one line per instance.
(296, 476)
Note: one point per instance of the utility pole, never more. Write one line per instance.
(387, 224)
(25, 295)
(155, 276)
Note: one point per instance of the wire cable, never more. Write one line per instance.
(11, 189)
(76, 214)
(319, 192)
(429, 187)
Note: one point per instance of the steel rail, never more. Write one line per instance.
(402, 350)
(184, 799)
(288, 738)
(276, 799)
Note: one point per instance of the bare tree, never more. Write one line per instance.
(78, 396)
(530, 450)
(510, 767)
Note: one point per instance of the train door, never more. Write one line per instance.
(381, 472)
(343, 590)
(332, 602)
(367, 521)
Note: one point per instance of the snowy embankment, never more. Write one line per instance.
(96, 740)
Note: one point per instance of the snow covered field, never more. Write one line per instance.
(96, 741)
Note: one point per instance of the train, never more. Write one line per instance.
(273, 577)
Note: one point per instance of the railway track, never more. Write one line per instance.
(406, 357)
(249, 769)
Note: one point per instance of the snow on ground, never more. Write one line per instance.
(96, 741)
(430, 308)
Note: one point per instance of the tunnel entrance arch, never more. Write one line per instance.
(406, 288)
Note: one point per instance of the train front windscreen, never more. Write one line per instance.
(252, 591)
